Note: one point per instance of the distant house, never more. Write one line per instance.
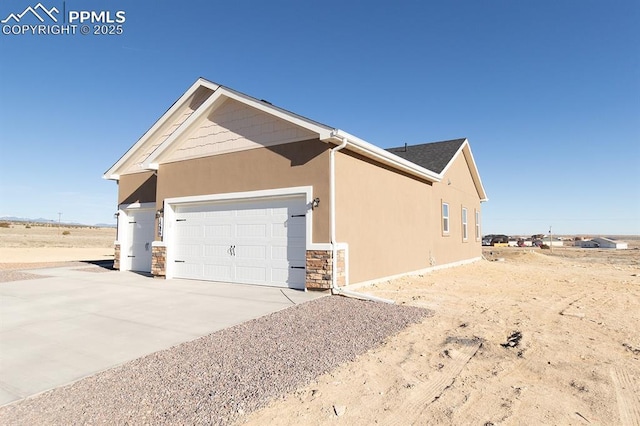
(227, 187)
(609, 243)
(586, 244)
(555, 242)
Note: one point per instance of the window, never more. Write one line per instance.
(464, 224)
(445, 218)
(477, 225)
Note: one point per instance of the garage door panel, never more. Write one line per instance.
(251, 274)
(188, 250)
(219, 272)
(217, 231)
(258, 230)
(189, 270)
(251, 252)
(253, 241)
(252, 212)
(190, 231)
(216, 250)
(217, 213)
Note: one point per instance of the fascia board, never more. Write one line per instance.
(454, 156)
(475, 173)
(111, 173)
(298, 120)
(465, 148)
(371, 151)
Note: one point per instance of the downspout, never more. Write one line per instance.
(335, 289)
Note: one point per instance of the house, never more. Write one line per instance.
(227, 187)
(552, 242)
(610, 243)
(586, 244)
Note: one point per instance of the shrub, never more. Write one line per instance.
(544, 246)
(27, 226)
(5, 225)
(66, 232)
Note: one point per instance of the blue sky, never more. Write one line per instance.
(547, 92)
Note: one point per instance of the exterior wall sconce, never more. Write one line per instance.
(315, 203)
(159, 213)
(116, 214)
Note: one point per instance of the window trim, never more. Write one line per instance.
(477, 216)
(446, 220)
(465, 223)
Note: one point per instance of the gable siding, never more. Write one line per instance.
(234, 126)
(166, 130)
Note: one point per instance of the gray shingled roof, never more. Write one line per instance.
(433, 156)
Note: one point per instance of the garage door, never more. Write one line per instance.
(253, 242)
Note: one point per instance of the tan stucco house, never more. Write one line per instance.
(226, 187)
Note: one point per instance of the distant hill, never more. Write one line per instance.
(43, 220)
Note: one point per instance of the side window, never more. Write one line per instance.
(464, 224)
(477, 225)
(445, 218)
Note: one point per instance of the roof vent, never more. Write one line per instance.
(265, 101)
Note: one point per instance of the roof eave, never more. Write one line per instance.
(385, 157)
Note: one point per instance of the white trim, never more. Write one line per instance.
(412, 273)
(448, 217)
(201, 82)
(137, 206)
(385, 157)
(345, 248)
(465, 148)
(464, 216)
(171, 203)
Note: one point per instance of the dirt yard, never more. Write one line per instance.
(525, 337)
(37, 243)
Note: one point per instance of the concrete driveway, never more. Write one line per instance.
(82, 320)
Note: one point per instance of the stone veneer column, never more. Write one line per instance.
(116, 256)
(320, 269)
(158, 260)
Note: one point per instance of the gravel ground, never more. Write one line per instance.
(219, 378)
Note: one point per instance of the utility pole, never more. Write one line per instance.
(550, 239)
(59, 216)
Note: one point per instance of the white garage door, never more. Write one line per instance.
(253, 242)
